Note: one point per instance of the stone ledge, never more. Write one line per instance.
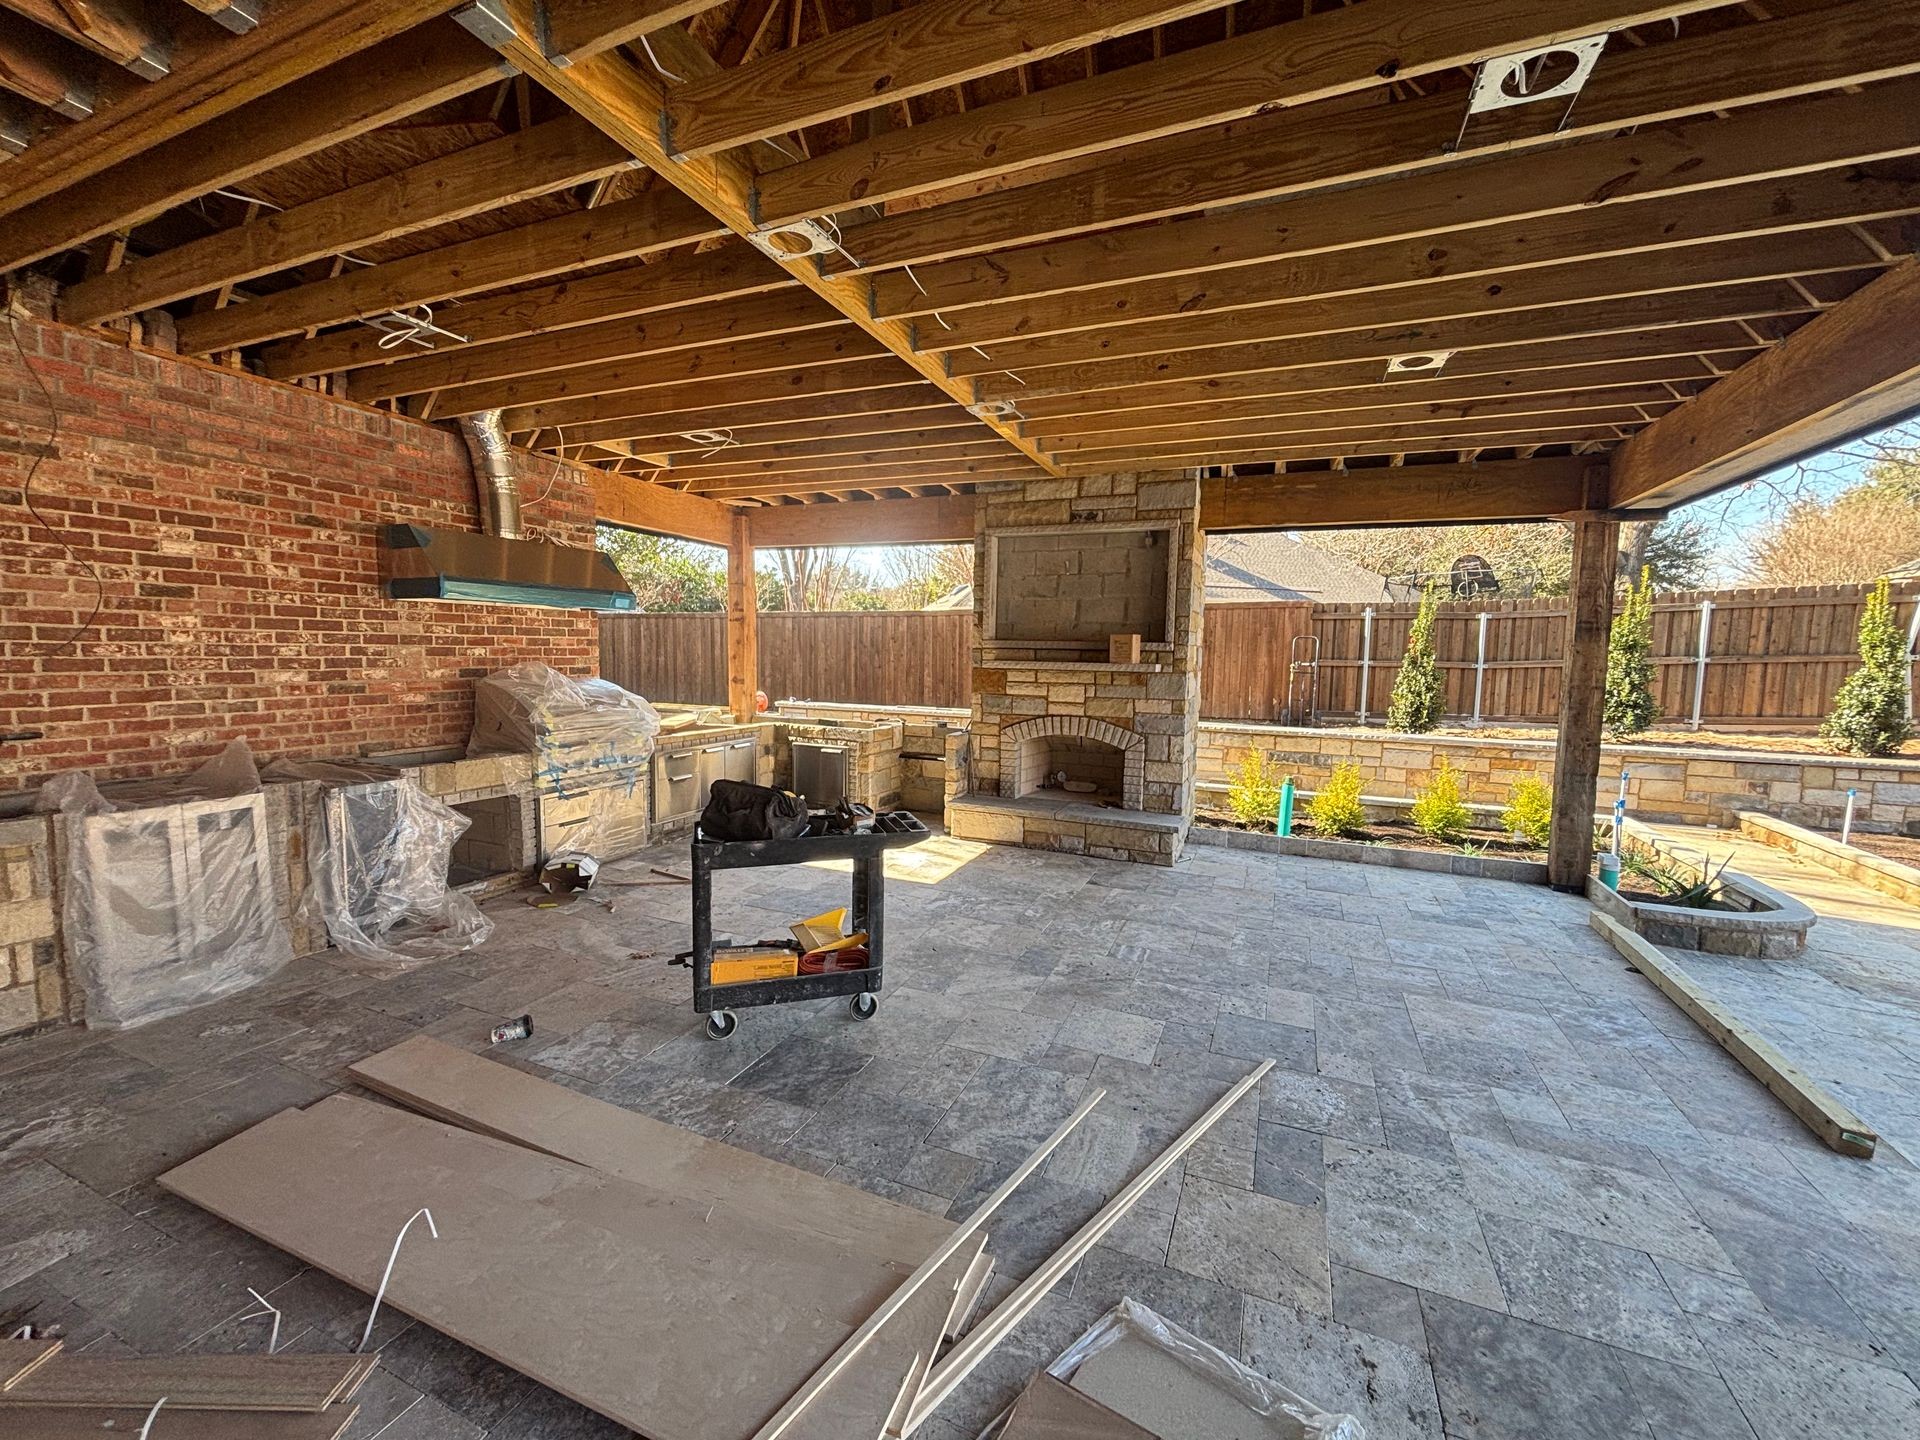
(1775, 928)
(1863, 867)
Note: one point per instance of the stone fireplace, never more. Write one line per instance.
(1068, 747)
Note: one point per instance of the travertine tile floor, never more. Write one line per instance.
(1497, 1189)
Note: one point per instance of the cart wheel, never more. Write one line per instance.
(720, 1024)
(863, 1005)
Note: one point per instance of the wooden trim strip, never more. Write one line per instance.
(194, 1382)
(1837, 1126)
(20, 1358)
(87, 1423)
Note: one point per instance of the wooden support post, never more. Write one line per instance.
(742, 620)
(1583, 693)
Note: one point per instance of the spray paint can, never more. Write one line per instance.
(512, 1030)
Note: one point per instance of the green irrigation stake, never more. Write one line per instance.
(1283, 823)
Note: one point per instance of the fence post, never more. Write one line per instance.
(1480, 668)
(1366, 658)
(1913, 636)
(1700, 666)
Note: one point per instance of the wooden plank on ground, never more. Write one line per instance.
(20, 1358)
(679, 1319)
(468, 1090)
(77, 1423)
(1050, 1410)
(1837, 1126)
(192, 1382)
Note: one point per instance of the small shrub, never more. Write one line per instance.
(1254, 794)
(1529, 811)
(1335, 809)
(1439, 812)
(1869, 714)
(1419, 694)
(1630, 706)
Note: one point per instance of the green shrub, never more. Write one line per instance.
(1529, 811)
(1335, 809)
(1630, 705)
(1869, 715)
(1419, 694)
(1439, 812)
(1254, 794)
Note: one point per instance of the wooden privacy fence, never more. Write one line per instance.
(1774, 657)
(874, 657)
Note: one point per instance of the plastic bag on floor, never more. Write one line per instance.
(379, 876)
(168, 898)
(1181, 1375)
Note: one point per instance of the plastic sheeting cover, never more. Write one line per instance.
(168, 898)
(574, 728)
(1281, 1413)
(379, 873)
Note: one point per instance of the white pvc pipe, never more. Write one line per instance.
(1366, 656)
(1700, 666)
(1846, 823)
(1480, 668)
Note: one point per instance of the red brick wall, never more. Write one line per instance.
(235, 526)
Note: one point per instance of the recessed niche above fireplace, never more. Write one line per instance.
(1076, 585)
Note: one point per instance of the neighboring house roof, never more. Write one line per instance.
(1273, 566)
(958, 598)
(1908, 571)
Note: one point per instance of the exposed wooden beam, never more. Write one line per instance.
(911, 447)
(296, 39)
(1583, 693)
(1411, 436)
(829, 482)
(732, 322)
(932, 520)
(638, 505)
(1525, 327)
(1701, 267)
(1319, 57)
(55, 73)
(989, 453)
(1851, 370)
(385, 83)
(743, 622)
(1464, 444)
(1681, 230)
(1498, 490)
(754, 357)
(239, 16)
(926, 47)
(123, 31)
(648, 288)
(626, 230)
(628, 105)
(857, 383)
(938, 416)
(1274, 156)
(579, 28)
(548, 157)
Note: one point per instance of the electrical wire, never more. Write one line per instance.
(26, 497)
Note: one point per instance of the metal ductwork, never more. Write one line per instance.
(492, 457)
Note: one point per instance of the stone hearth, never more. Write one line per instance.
(1062, 566)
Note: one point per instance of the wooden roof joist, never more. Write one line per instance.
(624, 230)
(124, 31)
(1680, 234)
(499, 172)
(387, 82)
(960, 442)
(831, 482)
(852, 386)
(1494, 437)
(756, 357)
(1700, 351)
(295, 39)
(1525, 327)
(580, 28)
(1703, 267)
(1275, 155)
(734, 322)
(53, 72)
(1324, 441)
(1319, 57)
(941, 417)
(728, 466)
(1664, 379)
(731, 273)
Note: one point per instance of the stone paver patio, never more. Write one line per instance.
(1496, 1188)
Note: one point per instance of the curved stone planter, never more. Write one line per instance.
(1479, 867)
(1863, 867)
(1768, 925)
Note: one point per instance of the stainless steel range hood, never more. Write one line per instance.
(424, 564)
(498, 567)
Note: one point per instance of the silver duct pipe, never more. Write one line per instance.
(493, 475)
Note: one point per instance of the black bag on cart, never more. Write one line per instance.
(739, 811)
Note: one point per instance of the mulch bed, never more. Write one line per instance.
(1809, 747)
(1399, 835)
(1903, 848)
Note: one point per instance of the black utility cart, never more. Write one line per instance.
(867, 849)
